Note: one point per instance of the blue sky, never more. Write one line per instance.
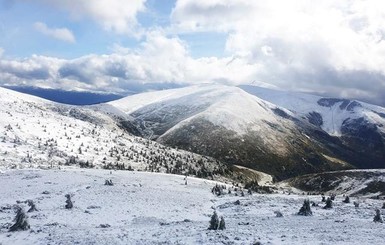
(20, 39)
(334, 48)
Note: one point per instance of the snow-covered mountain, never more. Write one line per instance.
(359, 125)
(279, 133)
(331, 114)
(232, 125)
(224, 122)
(38, 133)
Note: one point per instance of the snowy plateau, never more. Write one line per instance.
(124, 166)
(155, 208)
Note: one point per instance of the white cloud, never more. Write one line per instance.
(331, 47)
(1, 51)
(62, 34)
(163, 60)
(113, 15)
(301, 44)
(159, 59)
(117, 48)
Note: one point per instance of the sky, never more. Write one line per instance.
(328, 47)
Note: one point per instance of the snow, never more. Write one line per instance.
(132, 103)
(263, 178)
(225, 106)
(346, 182)
(9, 96)
(36, 133)
(302, 104)
(155, 208)
(151, 208)
(353, 185)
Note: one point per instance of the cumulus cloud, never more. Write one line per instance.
(162, 61)
(1, 51)
(336, 46)
(158, 60)
(113, 15)
(62, 34)
(333, 48)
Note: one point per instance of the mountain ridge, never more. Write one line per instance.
(262, 129)
(237, 127)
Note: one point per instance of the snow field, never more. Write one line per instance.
(153, 208)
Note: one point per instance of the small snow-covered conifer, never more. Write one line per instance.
(329, 203)
(21, 221)
(32, 206)
(347, 199)
(108, 182)
(278, 214)
(214, 222)
(222, 224)
(69, 203)
(377, 217)
(305, 209)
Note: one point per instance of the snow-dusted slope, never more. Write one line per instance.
(161, 114)
(332, 112)
(39, 133)
(225, 106)
(360, 126)
(285, 137)
(150, 208)
(365, 182)
(229, 124)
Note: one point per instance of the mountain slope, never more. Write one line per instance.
(367, 182)
(39, 133)
(360, 126)
(231, 125)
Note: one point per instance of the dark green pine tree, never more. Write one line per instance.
(305, 209)
(329, 203)
(69, 203)
(222, 224)
(347, 199)
(377, 217)
(214, 222)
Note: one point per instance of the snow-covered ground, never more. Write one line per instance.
(150, 208)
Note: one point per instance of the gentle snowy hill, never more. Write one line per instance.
(225, 106)
(39, 133)
(151, 208)
(229, 124)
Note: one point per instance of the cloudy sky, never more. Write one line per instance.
(327, 47)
